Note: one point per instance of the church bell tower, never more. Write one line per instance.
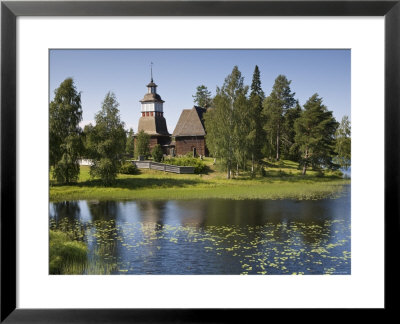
(152, 104)
(152, 119)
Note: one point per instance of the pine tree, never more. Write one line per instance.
(256, 84)
(315, 134)
(65, 139)
(274, 107)
(256, 134)
(203, 97)
(288, 149)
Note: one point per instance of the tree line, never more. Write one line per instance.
(245, 126)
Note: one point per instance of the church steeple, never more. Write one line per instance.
(152, 87)
(152, 104)
(152, 120)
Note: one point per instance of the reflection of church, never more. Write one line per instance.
(189, 133)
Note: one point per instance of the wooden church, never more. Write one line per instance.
(189, 133)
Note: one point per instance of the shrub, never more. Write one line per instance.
(335, 173)
(157, 153)
(281, 173)
(199, 165)
(338, 173)
(263, 172)
(128, 168)
(106, 169)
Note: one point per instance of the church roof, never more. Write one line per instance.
(190, 123)
(153, 125)
(151, 84)
(151, 97)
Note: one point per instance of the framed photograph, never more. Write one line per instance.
(188, 160)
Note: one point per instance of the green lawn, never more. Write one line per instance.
(282, 180)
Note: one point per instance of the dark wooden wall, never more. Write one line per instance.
(184, 145)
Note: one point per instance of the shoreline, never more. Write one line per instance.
(151, 186)
(334, 195)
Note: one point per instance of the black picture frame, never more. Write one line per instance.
(10, 10)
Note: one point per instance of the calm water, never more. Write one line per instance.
(211, 236)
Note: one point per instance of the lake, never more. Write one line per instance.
(212, 236)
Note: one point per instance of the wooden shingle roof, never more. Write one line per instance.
(190, 123)
(153, 125)
(152, 97)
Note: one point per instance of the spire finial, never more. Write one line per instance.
(151, 71)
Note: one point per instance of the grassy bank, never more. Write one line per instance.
(67, 256)
(282, 180)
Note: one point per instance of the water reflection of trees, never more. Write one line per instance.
(66, 210)
(219, 212)
(309, 224)
(285, 223)
(65, 217)
(104, 216)
(152, 217)
(233, 212)
(311, 219)
(152, 212)
(103, 211)
(314, 224)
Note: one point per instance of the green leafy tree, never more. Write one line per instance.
(315, 134)
(67, 168)
(211, 125)
(236, 92)
(233, 86)
(157, 153)
(343, 143)
(219, 131)
(65, 140)
(130, 143)
(106, 141)
(142, 144)
(203, 97)
(242, 131)
(274, 107)
(223, 134)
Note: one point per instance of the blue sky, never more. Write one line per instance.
(178, 72)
